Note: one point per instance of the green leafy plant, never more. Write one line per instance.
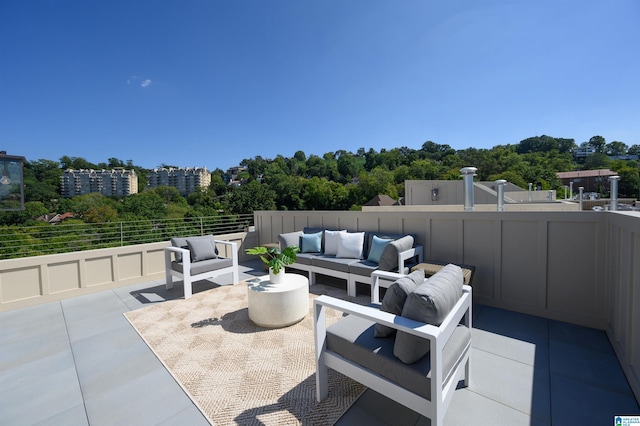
(275, 258)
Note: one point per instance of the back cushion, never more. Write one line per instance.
(331, 241)
(202, 248)
(179, 242)
(311, 243)
(289, 239)
(395, 297)
(351, 245)
(430, 303)
(389, 259)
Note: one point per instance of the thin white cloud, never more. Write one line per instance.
(135, 80)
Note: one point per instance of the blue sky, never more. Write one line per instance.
(212, 82)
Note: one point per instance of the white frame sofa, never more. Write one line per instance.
(196, 258)
(427, 385)
(397, 257)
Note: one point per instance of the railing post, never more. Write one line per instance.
(500, 183)
(121, 234)
(581, 189)
(571, 190)
(467, 175)
(614, 192)
(530, 186)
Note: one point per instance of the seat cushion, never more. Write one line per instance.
(395, 297)
(332, 263)
(352, 338)
(204, 265)
(430, 303)
(305, 258)
(362, 267)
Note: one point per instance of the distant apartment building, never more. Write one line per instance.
(187, 180)
(584, 151)
(232, 175)
(111, 183)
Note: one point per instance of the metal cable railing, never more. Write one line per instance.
(25, 241)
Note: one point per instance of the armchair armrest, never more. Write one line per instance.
(408, 254)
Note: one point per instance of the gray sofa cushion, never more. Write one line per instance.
(395, 297)
(305, 258)
(289, 239)
(332, 263)
(204, 265)
(389, 259)
(430, 303)
(352, 338)
(362, 267)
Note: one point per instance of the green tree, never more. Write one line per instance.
(598, 142)
(616, 148)
(250, 197)
(596, 161)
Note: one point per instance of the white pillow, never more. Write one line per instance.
(350, 245)
(331, 240)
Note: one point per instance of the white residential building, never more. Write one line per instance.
(111, 183)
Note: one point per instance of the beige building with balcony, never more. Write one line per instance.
(111, 183)
(187, 180)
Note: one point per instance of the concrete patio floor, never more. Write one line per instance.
(79, 361)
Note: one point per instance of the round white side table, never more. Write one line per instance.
(278, 305)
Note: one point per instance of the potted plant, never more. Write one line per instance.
(275, 259)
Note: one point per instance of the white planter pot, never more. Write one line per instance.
(276, 278)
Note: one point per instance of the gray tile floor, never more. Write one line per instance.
(79, 361)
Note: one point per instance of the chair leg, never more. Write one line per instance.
(169, 280)
(187, 287)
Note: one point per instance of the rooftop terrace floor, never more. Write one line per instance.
(79, 361)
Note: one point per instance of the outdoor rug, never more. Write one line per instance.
(239, 373)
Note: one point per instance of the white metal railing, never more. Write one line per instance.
(46, 239)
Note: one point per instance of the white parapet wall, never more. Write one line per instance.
(33, 280)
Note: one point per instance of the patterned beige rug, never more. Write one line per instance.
(237, 372)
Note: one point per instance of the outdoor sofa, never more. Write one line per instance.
(197, 258)
(352, 256)
(414, 348)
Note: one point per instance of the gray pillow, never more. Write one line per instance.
(179, 242)
(289, 239)
(389, 259)
(202, 248)
(394, 298)
(430, 303)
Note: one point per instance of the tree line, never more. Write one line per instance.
(339, 180)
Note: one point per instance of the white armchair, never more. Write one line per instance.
(196, 258)
(426, 386)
